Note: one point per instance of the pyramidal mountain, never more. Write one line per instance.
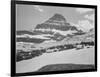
(56, 24)
(56, 28)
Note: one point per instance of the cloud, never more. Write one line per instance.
(83, 10)
(90, 17)
(85, 25)
(38, 8)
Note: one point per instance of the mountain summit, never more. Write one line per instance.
(57, 18)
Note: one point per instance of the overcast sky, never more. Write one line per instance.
(28, 16)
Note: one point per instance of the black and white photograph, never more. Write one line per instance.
(54, 38)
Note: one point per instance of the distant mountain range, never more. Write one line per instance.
(56, 28)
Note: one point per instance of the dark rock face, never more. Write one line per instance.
(53, 26)
(58, 17)
(30, 40)
(25, 32)
(92, 30)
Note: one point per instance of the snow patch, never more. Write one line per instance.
(43, 36)
(57, 31)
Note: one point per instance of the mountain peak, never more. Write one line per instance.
(58, 17)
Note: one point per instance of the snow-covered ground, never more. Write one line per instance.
(82, 56)
(43, 36)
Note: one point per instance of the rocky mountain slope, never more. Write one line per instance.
(55, 28)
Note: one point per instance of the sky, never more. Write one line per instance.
(28, 16)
